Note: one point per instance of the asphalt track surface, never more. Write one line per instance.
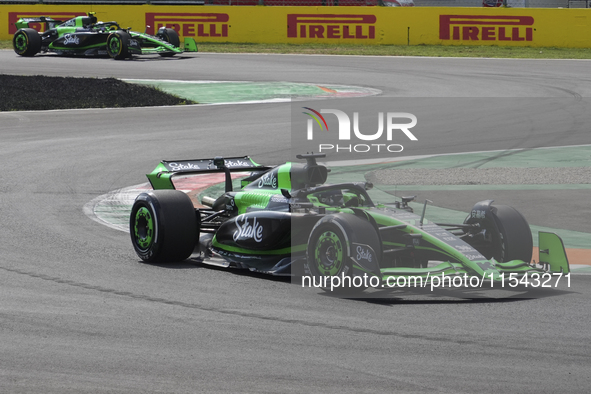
(80, 314)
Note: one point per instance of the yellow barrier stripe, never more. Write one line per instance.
(339, 25)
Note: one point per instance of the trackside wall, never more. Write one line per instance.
(339, 25)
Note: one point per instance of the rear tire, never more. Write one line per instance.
(26, 42)
(163, 226)
(118, 45)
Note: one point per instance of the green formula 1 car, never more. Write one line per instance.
(85, 36)
(286, 216)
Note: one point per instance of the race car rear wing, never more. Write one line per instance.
(50, 23)
(161, 177)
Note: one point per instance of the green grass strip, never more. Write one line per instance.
(391, 50)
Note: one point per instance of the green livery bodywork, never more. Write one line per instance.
(285, 214)
(84, 35)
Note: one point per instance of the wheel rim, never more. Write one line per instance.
(115, 46)
(328, 253)
(20, 42)
(143, 228)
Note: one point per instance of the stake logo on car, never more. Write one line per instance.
(70, 39)
(236, 163)
(246, 230)
(268, 180)
(364, 254)
(183, 166)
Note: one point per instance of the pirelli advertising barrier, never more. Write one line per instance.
(339, 25)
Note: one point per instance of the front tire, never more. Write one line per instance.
(118, 45)
(163, 226)
(513, 239)
(26, 42)
(170, 36)
(503, 233)
(330, 250)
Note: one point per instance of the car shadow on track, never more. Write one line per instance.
(152, 58)
(194, 263)
(455, 296)
(140, 58)
(397, 296)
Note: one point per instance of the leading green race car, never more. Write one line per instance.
(84, 35)
(286, 220)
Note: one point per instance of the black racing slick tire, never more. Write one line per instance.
(118, 45)
(163, 226)
(26, 42)
(512, 239)
(170, 36)
(331, 252)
